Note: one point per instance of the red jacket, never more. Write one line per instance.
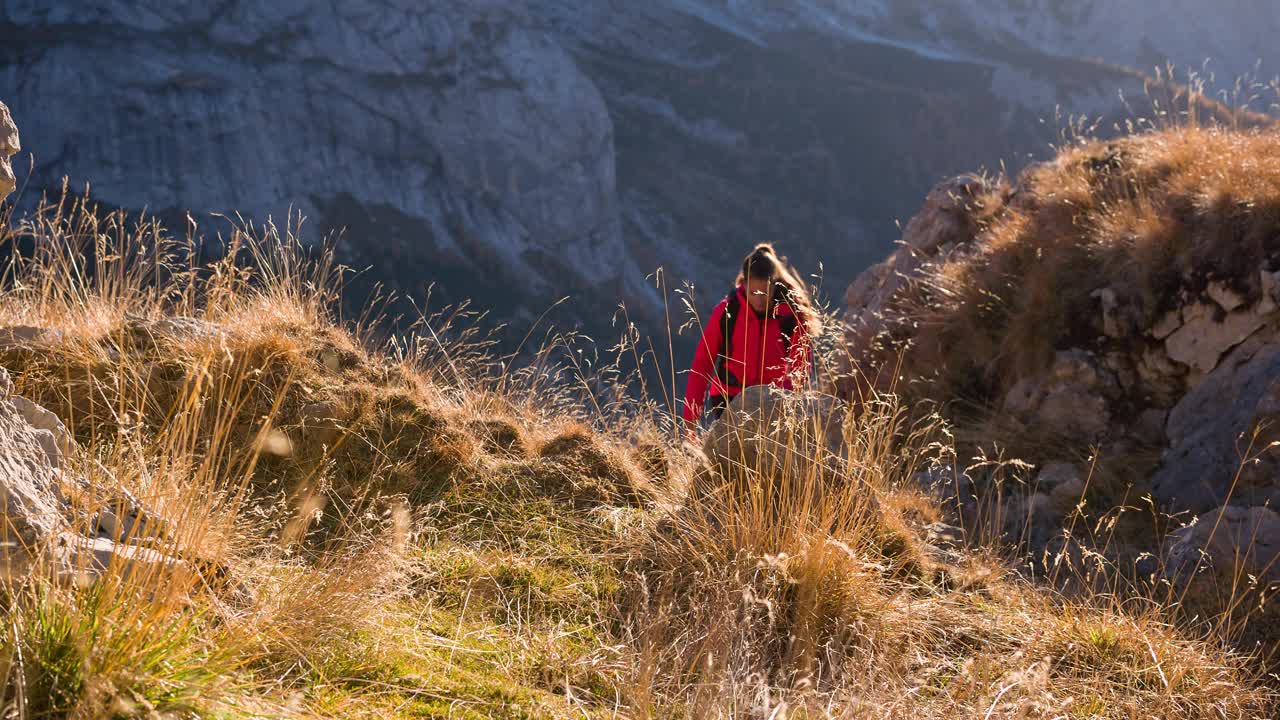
(758, 355)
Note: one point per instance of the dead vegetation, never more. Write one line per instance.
(408, 534)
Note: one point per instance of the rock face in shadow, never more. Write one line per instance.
(516, 151)
(450, 139)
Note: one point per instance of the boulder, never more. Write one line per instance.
(43, 526)
(945, 226)
(945, 483)
(9, 146)
(1227, 550)
(1225, 296)
(31, 504)
(946, 219)
(1071, 399)
(1166, 325)
(52, 434)
(767, 436)
(77, 557)
(1064, 484)
(1211, 427)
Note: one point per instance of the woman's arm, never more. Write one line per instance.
(704, 365)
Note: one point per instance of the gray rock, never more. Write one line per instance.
(1071, 399)
(946, 218)
(1067, 494)
(1167, 325)
(1149, 428)
(41, 527)
(778, 440)
(947, 483)
(462, 132)
(52, 434)
(80, 558)
(124, 518)
(1054, 474)
(31, 513)
(18, 337)
(1031, 519)
(1269, 282)
(1229, 547)
(148, 333)
(1210, 428)
(9, 146)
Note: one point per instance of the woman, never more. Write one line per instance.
(758, 335)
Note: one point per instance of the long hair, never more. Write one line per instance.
(764, 263)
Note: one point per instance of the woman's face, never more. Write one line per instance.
(759, 293)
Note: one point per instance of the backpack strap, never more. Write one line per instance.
(728, 323)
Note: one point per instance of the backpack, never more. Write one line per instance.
(729, 322)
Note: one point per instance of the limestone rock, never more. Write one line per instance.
(147, 333)
(1225, 296)
(25, 336)
(1067, 494)
(30, 505)
(52, 434)
(943, 227)
(1167, 325)
(1071, 399)
(78, 557)
(42, 523)
(944, 482)
(1031, 519)
(1054, 474)
(770, 436)
(9, 146)
(1269, 282)
(1118, 319)
(1203, 338)
(947, 215)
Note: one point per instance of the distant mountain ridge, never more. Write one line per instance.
(515, 152)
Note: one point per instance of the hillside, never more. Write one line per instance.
(225, 502)
(1109, 317)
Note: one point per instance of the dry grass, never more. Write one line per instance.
(415, 529)
(1147, 214)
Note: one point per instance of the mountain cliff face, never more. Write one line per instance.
(515, 152)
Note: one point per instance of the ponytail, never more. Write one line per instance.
(764, 263)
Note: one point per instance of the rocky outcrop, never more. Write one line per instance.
(946, 224)
(61, 524)
(9, 146)
(451, 140)
(1121, 378)
(1229, 556)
